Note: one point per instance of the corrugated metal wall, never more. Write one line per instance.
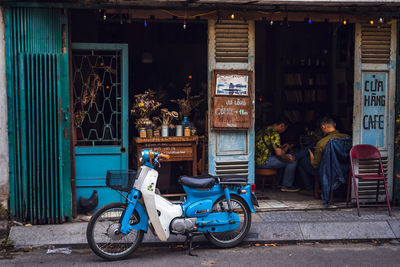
(38, 114)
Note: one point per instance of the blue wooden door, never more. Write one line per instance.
(231, 151)
(100, 86)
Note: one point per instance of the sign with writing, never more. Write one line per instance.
(231, 99)
(231, 112)
(374, 107)
(232, 84)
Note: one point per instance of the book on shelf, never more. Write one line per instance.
(309, 95)
(294, 96)
(322, 95)
(321, 79)
(309, 115)
(293, 79)
(293, 115)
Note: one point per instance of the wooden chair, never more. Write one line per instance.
(264, 174)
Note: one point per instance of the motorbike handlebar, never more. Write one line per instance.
(163, 156)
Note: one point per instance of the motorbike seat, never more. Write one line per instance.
(233, 179)
(197, 182)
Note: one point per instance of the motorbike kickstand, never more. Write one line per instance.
(189, 238)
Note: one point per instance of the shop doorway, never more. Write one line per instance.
(303, 72)
(161, 55)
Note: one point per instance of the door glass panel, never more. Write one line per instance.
(97, 97)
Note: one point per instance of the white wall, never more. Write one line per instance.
(4, 159)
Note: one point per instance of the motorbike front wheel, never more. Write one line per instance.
(231, 238)
(104, 236)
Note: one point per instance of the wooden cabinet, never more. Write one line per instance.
(180, 148)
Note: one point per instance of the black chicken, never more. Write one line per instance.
(86, 205)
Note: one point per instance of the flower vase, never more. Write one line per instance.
(164, 130)
(179, 130)
(185, 122)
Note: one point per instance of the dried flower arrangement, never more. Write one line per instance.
(93, 86)
(145, 104)
(188, 103)
(166, 117)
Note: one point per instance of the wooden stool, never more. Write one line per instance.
(265, 173)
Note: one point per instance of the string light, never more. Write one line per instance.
(344, 21)
(271, 22)
(104, 15)
(381, 20)
(371, 21)
(184, 24)
(309, 20)
(233, 16)
(145, 23)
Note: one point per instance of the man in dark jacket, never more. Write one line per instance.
(308, 167)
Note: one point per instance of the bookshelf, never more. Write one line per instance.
(305, 90)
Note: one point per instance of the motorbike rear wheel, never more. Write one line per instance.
(103, 233)
(231, 238)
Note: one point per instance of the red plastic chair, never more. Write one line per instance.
(367, 152)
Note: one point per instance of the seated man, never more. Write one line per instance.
(308, 167)
(271, 155)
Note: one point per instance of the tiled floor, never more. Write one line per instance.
(273, 199)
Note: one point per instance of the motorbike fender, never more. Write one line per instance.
(143, 223)
(246, 197)
(149, 197)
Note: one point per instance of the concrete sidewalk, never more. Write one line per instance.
(277, 226)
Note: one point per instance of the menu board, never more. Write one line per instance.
(231, 101)
(229, 112)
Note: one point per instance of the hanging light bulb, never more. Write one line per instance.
(381, 20)
(309, 20)
(371, 21)
(271, 22)
(145, 23)
(344, 21)
(184, 24)
(232, 16)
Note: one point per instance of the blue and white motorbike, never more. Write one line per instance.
(218, 207)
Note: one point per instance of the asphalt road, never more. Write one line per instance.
(337, 254)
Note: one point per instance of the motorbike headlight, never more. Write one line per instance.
(141, 158)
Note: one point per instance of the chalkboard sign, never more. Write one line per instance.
(231, 99)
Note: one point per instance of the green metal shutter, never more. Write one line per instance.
(38, 99)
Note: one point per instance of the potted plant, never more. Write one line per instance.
(166, 118)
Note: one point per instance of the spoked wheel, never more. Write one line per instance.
(231, 238)
(103, 233)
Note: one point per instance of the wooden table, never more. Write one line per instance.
(180, 148)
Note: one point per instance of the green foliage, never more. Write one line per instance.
(7, 245)
(397, 137)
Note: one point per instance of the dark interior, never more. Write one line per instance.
(303, 72)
